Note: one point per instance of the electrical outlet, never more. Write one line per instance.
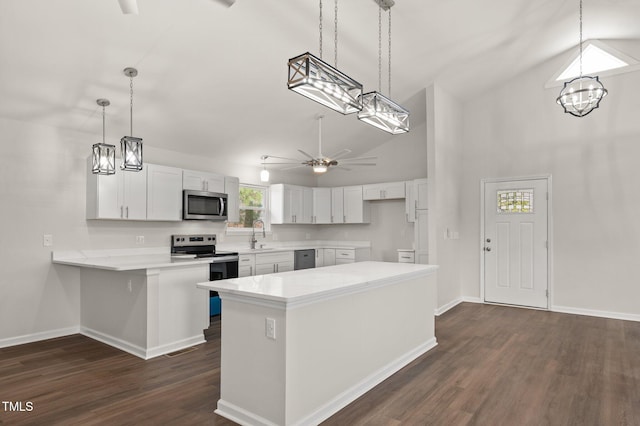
(47, 240)
(270, 328)
(140, 239)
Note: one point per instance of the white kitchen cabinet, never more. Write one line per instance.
(321, 205)
(164, 193)
(232, 189)
(246, 265)
(319, 257)
(119, 196)
(345, 256)
(329, 256)
(337, 205)
(202, 181)
(269, 263)
(290, 204)
(383, 191)
(417, 197)
(355, 209)
(421, 236)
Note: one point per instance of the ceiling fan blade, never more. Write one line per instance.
(359, 158)
(227, 3)
(361, 164)
(340, 154)
(281, 158)
(341, 167)
(129, 7)
(294, 167)
(306, 155)
(269, 164)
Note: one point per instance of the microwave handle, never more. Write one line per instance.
(221, 206)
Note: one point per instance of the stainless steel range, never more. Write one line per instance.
(224, 264)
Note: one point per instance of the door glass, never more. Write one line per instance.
(515, 201)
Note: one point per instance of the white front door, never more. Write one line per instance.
(515, 242)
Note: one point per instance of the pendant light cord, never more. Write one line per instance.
(379, 48)
(103, 137)
(335, 37)
(131, 105)
(580, 38)
(389, 93)
(320, 29)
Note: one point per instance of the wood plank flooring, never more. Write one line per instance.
(493, 365)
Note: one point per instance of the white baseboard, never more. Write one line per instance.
(472, 299)
(244, 417)
(593, 313)
(444, 308)
(36, 337)
(137, 350)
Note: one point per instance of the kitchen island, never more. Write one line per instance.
(298, 346)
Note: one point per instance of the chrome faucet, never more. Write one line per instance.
(253, 233)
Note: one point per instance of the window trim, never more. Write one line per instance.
(267, 213)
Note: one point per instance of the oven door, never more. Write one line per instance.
(203, 205)
(220, 271)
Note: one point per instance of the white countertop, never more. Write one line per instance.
(311, 284)
(160, 257)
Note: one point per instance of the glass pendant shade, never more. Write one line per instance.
(383, 113)
(315, 79)
(104, 159)
(264, 175)
(581, 95)
(131, 150)
(319, 168)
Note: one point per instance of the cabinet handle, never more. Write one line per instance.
(331, 219)
(127, 212)
(121, 212)
(250, 270)
(344, 219)
(416, 202)
(405, 257)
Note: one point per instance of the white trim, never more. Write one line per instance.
(240, 415)
(550, 232)
(37, 337)
(470, 299)
(593, 313)
(444, 308)
(137, 350)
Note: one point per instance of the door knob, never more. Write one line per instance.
(488, 240)
(487, 248)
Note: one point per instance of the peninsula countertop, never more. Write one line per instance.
(310, 284)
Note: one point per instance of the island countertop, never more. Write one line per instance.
(306, 285)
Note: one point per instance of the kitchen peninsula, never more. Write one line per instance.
(298, 346)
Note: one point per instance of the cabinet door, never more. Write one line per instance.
(329, 257)
(372, 192)
(192, 180)
(421, 236)
(164, 193)
(293, 203)
(393, 190)
(284, 266)
(306, 215)
(410, 202)
(421, 193)
(245, 271)
(344, 261)
(319, 258)
(321, 205)
(337, 205)
(135, 195)
(213, 182)
(353, 205)
(232, 189)
(268, 268)
(104, 193)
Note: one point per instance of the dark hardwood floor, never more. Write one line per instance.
(494, 365)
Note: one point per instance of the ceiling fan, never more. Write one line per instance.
(130, 7)
(321, 163)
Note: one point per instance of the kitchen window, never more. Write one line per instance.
(253, 206)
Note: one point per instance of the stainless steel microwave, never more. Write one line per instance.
(203, 205)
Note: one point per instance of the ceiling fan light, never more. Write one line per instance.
(581, 95)
(319, 168)
(384, 114)
(264, 175)
(315, 79)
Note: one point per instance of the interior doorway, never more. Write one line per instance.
(515, 241)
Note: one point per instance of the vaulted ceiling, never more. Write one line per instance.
(212, 79)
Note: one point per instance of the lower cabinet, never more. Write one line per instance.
(329, 257)
(246, 265)
(270, 263)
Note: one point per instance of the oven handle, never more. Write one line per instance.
(224, 259)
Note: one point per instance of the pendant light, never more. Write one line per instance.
(583, 94)
(103, 154)
(131, 147)
(315, 79)
(377, 109)
(264, 173)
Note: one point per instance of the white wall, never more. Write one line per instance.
(518, 130)
(42, 181)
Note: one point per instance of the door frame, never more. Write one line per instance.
(548, 178)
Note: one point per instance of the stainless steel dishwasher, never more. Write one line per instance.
(304, 259)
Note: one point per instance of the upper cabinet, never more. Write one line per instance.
(384, 191)
(291, 204)
(321, 205)
(232, 189)
(355, 209)
(164, 193)
(337, 205)
(119, 196)
(203, 181)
